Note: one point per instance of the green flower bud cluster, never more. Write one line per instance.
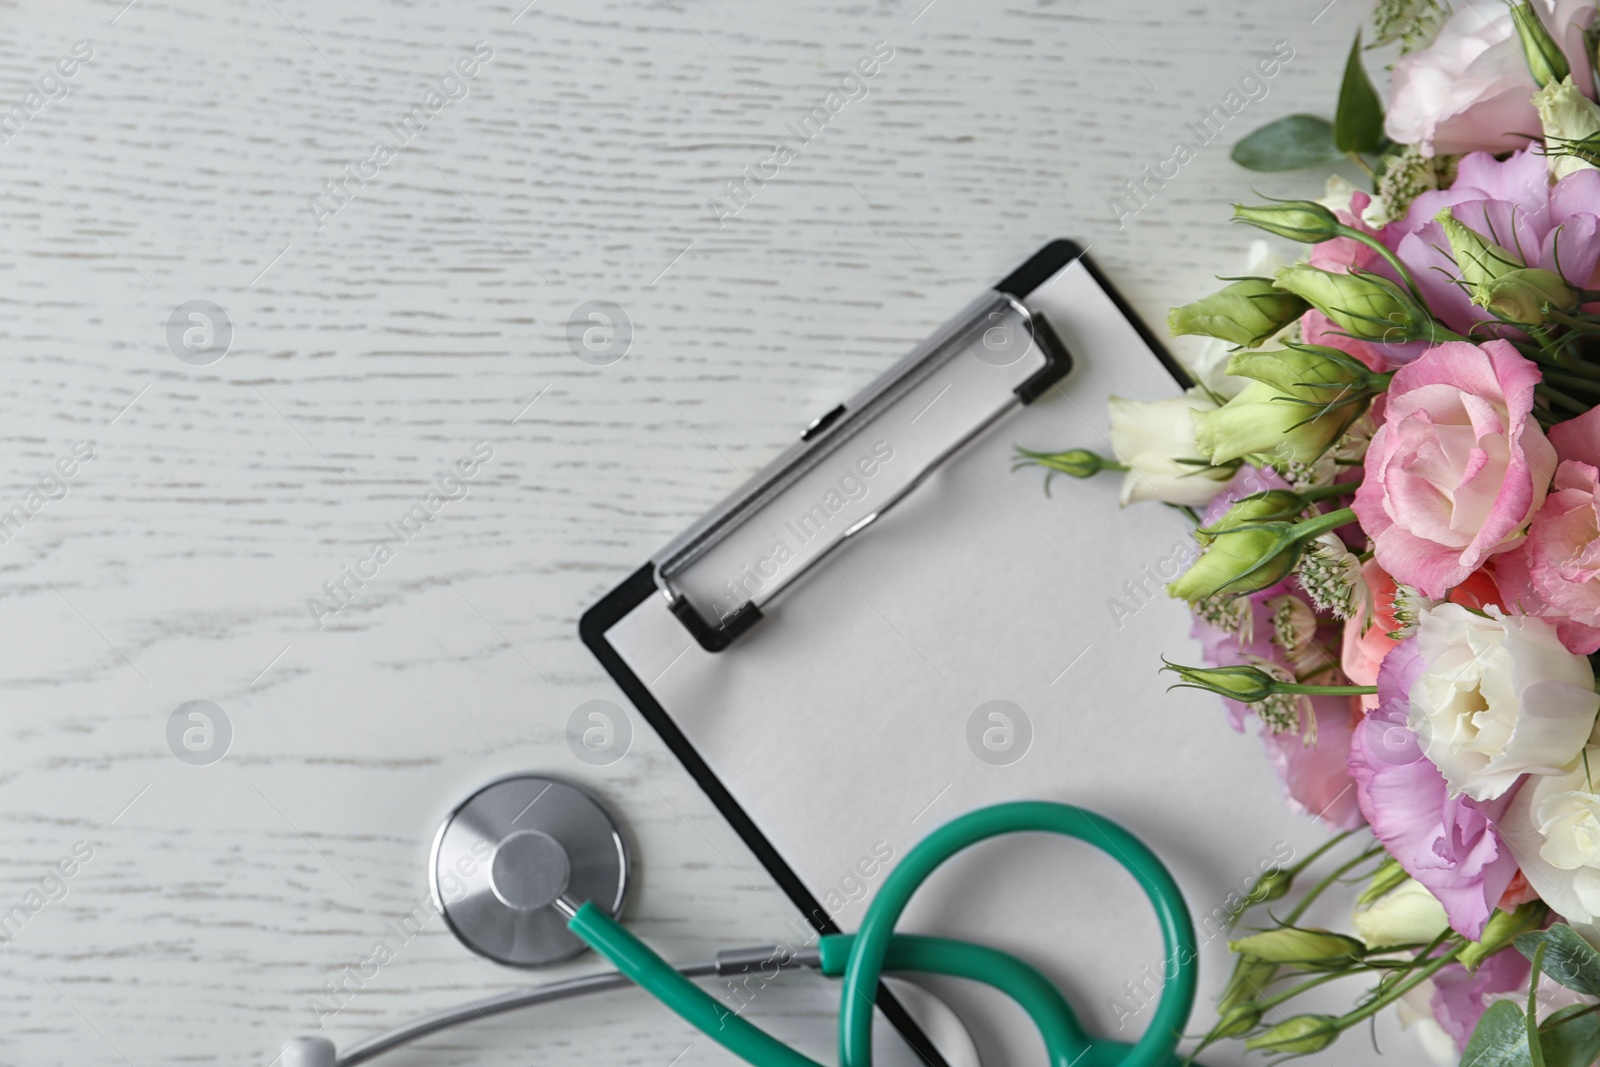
(1299, 1035)
(1365, 306)
(1299, 402)
(1546, 62)
(1245, 313)
(1252, 547)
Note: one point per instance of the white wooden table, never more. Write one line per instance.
(376, 344)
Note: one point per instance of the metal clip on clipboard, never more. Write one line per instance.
(855, 463)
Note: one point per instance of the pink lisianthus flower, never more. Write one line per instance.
(1470, 89)
(1315, 777)
(1555, 572)
(1449, 844)
(1458, 465)
(1366, 633)
(1512, 204)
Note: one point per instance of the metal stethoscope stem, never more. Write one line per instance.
(320, 1052)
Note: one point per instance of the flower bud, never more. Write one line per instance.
(1299, 1035)
(1525, 296)
(1272, 505)
(1245, 313)
(1274, 884)
(1502, 929)
(1365, 306)
(1305, 221)
(1478, 259)
(1546, 62)
(1292, 944)
(1298, 403)
(1249, 981)
(1237, 1020)
(1389, 875)
(1078, 462)
(1238, 561)
(1571, 121)
(1406, 915)
(1242, 683)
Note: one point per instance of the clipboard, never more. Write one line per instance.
(923, 676)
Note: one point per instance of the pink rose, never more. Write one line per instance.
(1457, 467)
(1555, 573)
(1470, 89)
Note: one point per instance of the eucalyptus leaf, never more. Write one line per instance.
(1358, 122)
(1569, 959)
(1290, 143)
(1501, 1039)
(1571, 1044)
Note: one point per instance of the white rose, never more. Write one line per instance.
(1553, 828)
(1150, 437)
(1499, 697)
(1408, 914)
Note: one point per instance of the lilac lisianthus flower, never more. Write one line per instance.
(1460, 998)
(1512, 204)
(1452, 845)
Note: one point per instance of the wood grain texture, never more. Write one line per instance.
(421, 318)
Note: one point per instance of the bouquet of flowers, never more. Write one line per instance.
(1391, 456)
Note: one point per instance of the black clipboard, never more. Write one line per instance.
(643, 583)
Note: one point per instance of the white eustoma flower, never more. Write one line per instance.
(1553, 828)
(1151, 437)
(1499, 697)
(1406, 915)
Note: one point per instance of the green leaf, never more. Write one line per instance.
(1358, 122)
(1530, 1018)
(1501, 1039)
(1569, 959)
(1290, 143)
(1571, 1044)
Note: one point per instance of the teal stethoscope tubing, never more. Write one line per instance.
(863, 957)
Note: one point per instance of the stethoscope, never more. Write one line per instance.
(531, 870)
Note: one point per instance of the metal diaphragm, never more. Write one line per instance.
(508, 852)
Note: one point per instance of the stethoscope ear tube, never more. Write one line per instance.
(877, 948)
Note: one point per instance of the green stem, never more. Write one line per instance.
(1569, 380)
(1389, 257)
(1297, 689)
(1400, 989)
(1546, 357)
(1547, 1025)
(1572, 322)
(1310, 528)
(1317, 853)
(1315, 891)
(1327, 492)
(1294, 991)
(1561, 400)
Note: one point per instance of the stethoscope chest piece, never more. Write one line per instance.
(509, 852)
